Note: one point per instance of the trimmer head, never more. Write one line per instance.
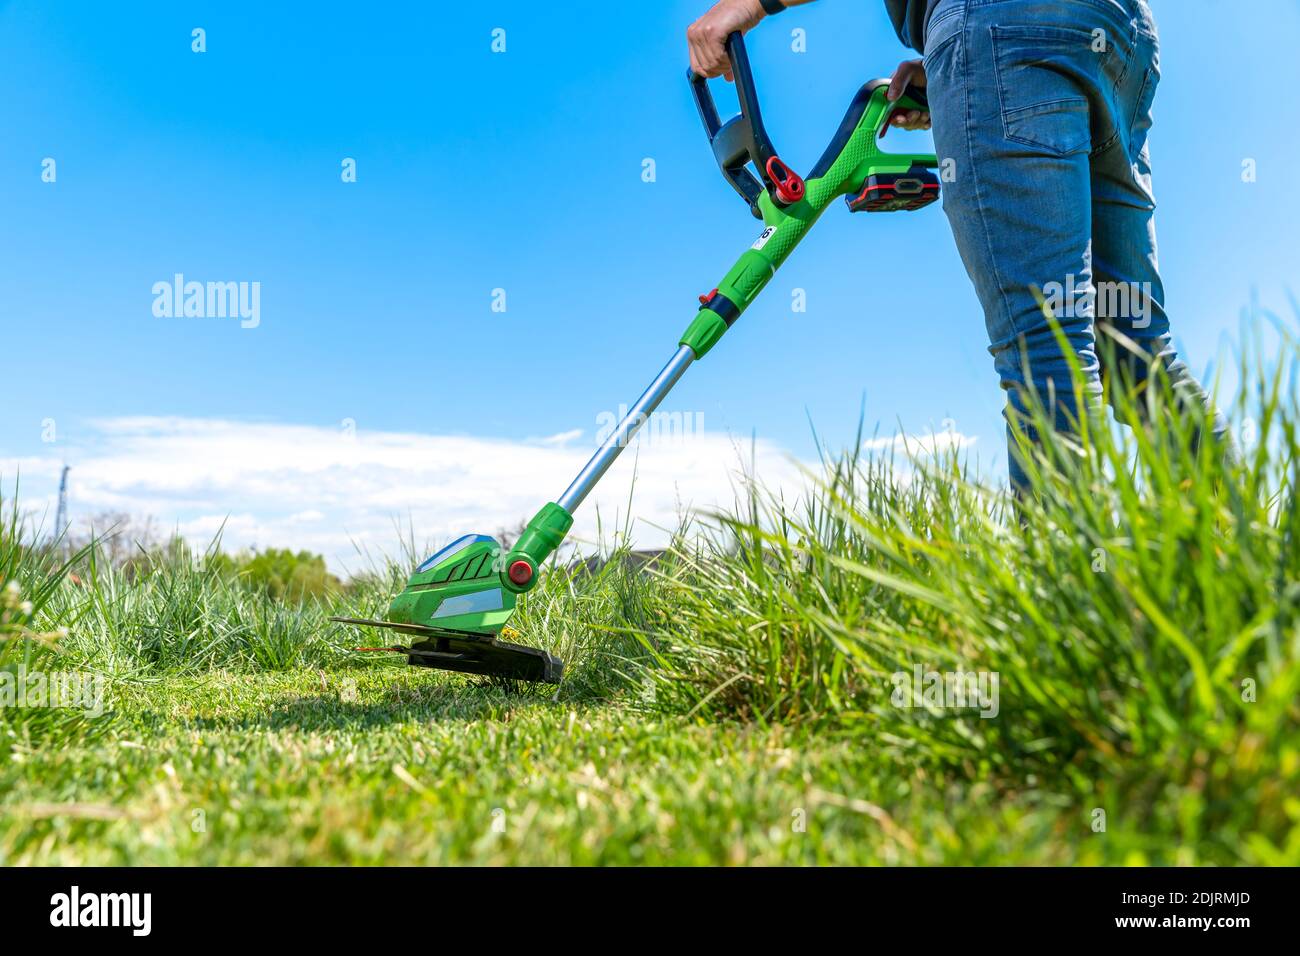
(469, 653)
(456, 603)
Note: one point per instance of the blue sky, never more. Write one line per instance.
(518, 171)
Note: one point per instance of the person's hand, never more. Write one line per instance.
(909, 72)
(707, 37)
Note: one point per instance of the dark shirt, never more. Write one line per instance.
(909, 18)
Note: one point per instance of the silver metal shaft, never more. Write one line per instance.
(636, 416)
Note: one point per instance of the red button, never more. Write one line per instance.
(521, 572)
(789, 187)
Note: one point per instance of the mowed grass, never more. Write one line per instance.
(390, 765)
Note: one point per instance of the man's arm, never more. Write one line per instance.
(707, 36)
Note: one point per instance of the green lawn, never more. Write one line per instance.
(397, 765)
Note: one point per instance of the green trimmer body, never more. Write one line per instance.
(457, 603)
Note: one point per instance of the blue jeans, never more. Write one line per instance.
(1041, 110)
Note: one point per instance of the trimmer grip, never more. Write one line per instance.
(918, 97)
(704, 103)
(913, 98)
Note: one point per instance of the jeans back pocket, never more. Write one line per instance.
(1042, 75)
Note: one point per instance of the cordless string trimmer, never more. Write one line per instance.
(459, 600)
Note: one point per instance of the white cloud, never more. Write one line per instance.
(330, 490)
(934, 443)
(563, 438)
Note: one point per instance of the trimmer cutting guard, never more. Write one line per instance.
(456, 604)
(470, 653)
(457, 589)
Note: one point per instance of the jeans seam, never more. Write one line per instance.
(979, 190)
(1128, 60)
(928, 56)
(957, 10)
(1105, 146)
(944, 18)
(1141, 98)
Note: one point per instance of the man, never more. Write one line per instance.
(1041, 110)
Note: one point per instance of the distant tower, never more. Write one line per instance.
(61, 516)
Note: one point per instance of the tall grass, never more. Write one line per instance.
(1140, 610)
(29, 580)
